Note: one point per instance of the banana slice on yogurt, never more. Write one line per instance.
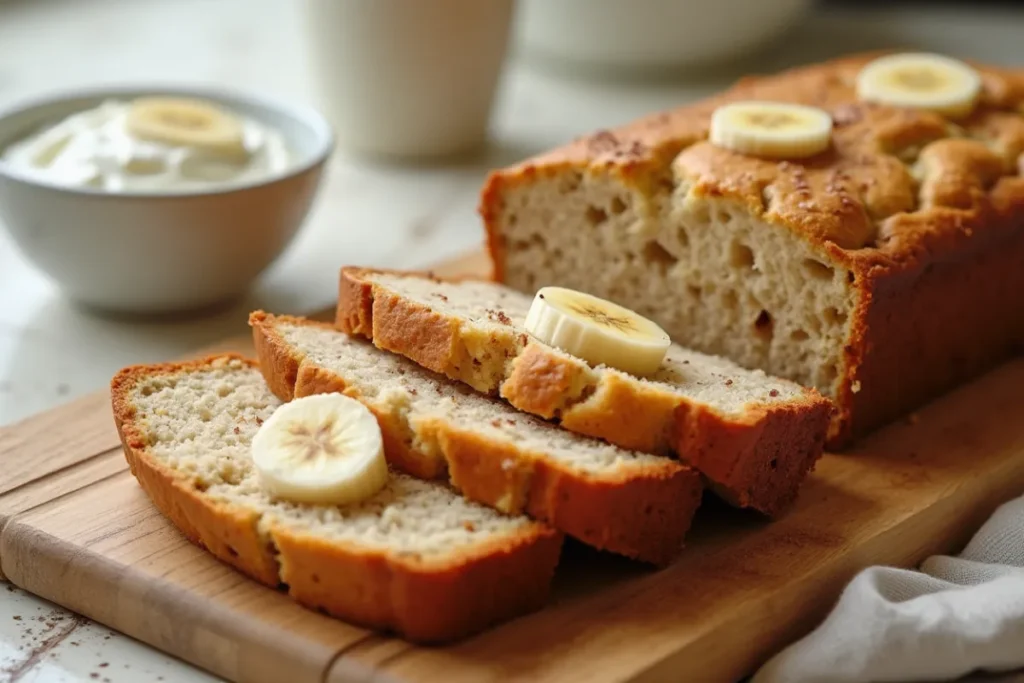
(325, 448)
(776, 130)
(187, 123)
(921, 80)
(596, 330)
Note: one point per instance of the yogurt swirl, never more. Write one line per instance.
(97, 148)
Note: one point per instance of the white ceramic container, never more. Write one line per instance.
(649, 35)
(160, 252)
(407, 78)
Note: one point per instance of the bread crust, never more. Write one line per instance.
(927, 241)
(424, 600)
(229, 533)
(643, 513)
(757, 460)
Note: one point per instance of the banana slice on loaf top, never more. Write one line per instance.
(598, 331)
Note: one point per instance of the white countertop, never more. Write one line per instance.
(51, 352)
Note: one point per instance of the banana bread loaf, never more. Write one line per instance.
(754, 437)
(881, 271)
(416, 558)
(633, 504)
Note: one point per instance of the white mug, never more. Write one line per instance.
(408, 78)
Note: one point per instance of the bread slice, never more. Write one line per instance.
(754, 437)
(416, 558)
(634, 504)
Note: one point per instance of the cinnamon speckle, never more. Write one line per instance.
(259, 420)
(602, 141)
(468, 526)
(498, 316)
(17, 617)
(237, 430)
(495, 423)
(412, 390)
(103, 665)
(636, 149)
(773, 393)
(728, 382)
(847, 114)
(440, 296)
(523, 339)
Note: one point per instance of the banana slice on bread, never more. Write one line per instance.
(771, 129)
(920, 80)
(598, 331)
(187, 123)
(325, 449)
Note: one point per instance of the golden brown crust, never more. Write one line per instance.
(953, 322)
(424, 601)
(900, 196)
(228, 533)
(642, 512)
(644, 516)
(744, 457)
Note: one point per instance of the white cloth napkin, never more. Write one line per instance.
(954, 616)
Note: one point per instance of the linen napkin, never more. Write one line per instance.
(954, 616)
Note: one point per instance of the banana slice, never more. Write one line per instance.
(325, 448)
(923, 81)
(596, 330)
(771, 129)
(187, 123)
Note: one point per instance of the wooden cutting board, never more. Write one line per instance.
(77, 530)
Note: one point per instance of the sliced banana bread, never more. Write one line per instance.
(630, 503)
(417, 558)
(880, 271)
(754, 437)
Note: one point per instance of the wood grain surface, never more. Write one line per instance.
(77, 529)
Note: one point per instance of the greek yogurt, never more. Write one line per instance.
(97, 148)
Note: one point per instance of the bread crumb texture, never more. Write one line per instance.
(487, 311)
(201, 423)
(394, 384)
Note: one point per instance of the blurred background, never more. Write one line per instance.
(424, 97)
(530, 75)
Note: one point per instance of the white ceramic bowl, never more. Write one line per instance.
(649, 35)
(160, 253)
